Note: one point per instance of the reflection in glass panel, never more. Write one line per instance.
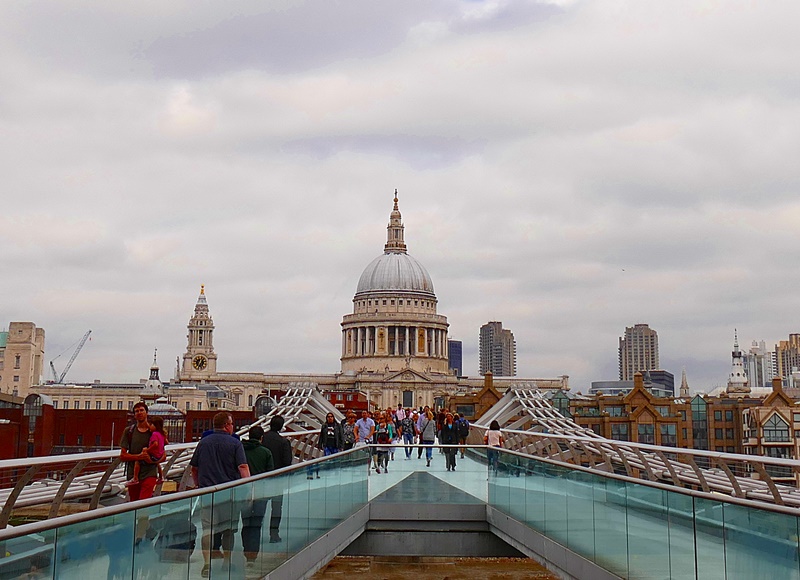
(100, 548)
(165, 540)
(760, 544)
(610, 523)
(580, 516)
(680, 514)
(648, 536)
(31, 554)
(708, 522)
(555, 506)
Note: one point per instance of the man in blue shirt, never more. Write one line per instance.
(218, 458)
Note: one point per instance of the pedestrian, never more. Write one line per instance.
(383, 437)
(408, 431)
(282, 457)
(494, 439)
(349, 431)
(155, 450)
(218, 458)
(331, 439)
(427, 432)
(463, 431)
(420, 418)
(133, 447)
(365, 429)
(449, 437)
(259, 459)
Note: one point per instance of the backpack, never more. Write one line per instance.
(463, 428)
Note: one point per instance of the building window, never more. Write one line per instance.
(97, 441)
(249, 400)
(97, 405)
(619, 431)
(669, 437)
(188, 405)
(349, 397)
(647, 434)
(717, 433)
(55, 404)
(76, 404)
(130, 405)
(663, 411)
(119, 405)
(717, 415)
(87, 405)
(384, 302)
(16, 361)
(615, 410)
(199, 406)
(79, 440)
(684, 433)
(108, 405)
(729, 433)
(776, 430)
(16, 378)
(796, 416)
(729, 415)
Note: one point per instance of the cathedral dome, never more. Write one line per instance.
(395, 271)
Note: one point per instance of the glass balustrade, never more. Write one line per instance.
(632, 529)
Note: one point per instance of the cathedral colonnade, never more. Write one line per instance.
(405, 340)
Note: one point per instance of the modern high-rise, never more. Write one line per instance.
(498, 350)
(759, 365)
(787, 358)
(638, 351)
(454, 352)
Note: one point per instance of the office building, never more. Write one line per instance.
(21, 356)
(638, 351)
(498, 350)
(759, 365)
(787, 359)
(455, 350)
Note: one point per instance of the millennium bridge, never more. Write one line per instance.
(582, 505)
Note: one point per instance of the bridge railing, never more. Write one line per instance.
(644, 529)
(161, 537)
(766, 479)
(83, 480)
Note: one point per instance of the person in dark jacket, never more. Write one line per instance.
(331, 438)
(449, 436)
(259, 458)
(282, 457)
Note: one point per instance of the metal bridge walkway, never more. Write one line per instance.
(579, 522)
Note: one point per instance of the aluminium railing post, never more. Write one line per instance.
(98, 490)
(62, 491)
(8, 507)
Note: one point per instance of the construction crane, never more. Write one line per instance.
(59, 379)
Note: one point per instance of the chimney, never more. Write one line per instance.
(777, 384)
(488, 381)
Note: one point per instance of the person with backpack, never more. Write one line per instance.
(259, 459)
(463, 431)
(383, 436)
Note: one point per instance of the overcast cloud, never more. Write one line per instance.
(568, 168)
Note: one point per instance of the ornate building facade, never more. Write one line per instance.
(394, 350)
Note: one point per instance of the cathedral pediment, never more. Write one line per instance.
(406, 376)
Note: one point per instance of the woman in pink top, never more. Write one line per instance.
(493, 438)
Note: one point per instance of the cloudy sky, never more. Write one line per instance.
(567, 168)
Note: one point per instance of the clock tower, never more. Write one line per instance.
(199, 360)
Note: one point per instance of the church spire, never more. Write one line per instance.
(737, 380)
(684, 392)
(154, 369)
(395, 243)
